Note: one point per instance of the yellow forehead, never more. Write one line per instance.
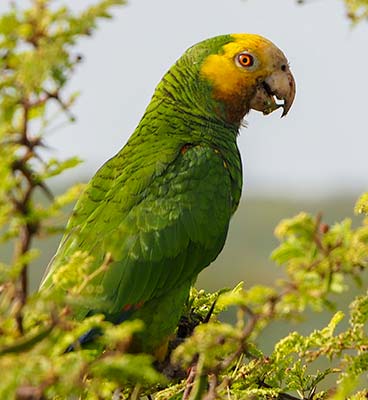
(226, 77)
(246, 42)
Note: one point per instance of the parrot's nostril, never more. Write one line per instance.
(283, 67)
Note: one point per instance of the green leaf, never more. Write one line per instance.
(361, 207)
(128, 368)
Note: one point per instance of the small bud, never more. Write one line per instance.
(324, 228)
(221, 340)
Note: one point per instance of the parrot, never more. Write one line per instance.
(159, 210)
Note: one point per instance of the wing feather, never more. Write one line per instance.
(161, 227)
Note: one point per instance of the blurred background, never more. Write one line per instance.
(312, 160)
(318, 150)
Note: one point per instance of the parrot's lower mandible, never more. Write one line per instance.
(160, 208)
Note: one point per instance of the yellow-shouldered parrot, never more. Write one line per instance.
(160, 208)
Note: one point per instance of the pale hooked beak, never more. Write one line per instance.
(277, 90)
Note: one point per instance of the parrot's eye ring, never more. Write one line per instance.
(245, 60)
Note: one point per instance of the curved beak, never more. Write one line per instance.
(277, 90)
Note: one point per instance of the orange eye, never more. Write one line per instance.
(245, 59)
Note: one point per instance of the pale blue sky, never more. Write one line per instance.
(319, 148)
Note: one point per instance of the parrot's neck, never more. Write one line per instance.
(175, 120)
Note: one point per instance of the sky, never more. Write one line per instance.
(319, 149)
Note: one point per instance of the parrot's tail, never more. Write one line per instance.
(87, 337)
(94, 333)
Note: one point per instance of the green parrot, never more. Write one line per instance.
(158, 212)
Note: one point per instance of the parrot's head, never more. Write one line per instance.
(243, 72)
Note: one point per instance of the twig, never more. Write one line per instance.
(212, 392)
(26, 230)
(247, 331)
(281, 396)
(190, 382)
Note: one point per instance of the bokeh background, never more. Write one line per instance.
(319, 149)
(314, 160)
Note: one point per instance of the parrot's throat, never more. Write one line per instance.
(232, 110)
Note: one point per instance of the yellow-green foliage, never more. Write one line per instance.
(357, 9)
(36, 62)
(361, 206)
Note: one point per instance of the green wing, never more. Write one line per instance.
(161, 222)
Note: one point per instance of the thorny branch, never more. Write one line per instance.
(255, 315)
(28, 182)
(22, 206)
(26, 144)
